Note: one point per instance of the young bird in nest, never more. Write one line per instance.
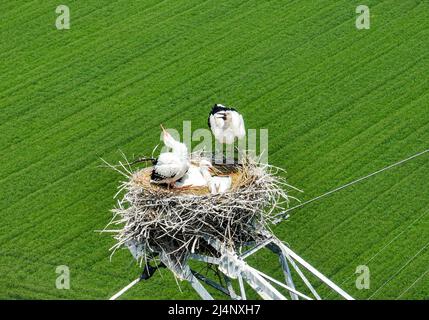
(215, 184)
(226, 124)
(170, 166)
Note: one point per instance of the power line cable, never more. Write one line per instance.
(351, 183)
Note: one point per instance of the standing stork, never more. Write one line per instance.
(170, 166)
(226, 124)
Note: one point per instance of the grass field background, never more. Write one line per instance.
(338, 102)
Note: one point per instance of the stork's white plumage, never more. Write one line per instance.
(192, 178)
(215, 184)
(170, 166)
(226, 124)
(220, 184)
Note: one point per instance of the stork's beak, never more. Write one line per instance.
(163, 129)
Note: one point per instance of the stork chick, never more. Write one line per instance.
(226, 124)
(215, 184)
(170, 166)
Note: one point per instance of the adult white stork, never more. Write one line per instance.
(170, 166)
(226, 124)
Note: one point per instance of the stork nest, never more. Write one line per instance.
(176, 222)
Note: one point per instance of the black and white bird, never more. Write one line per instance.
(170, 166)
(226, 124)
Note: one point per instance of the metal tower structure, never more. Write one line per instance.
(233, 266)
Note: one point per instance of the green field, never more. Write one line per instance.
(338, 102)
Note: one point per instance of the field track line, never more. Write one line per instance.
(44, 11)
(352, 103)
(89, 44)
(75, 20)
(290, 50)
(354, 100)
(69, 243)
(193, 51)
(396, 237)
(109, 95)
(139, 78)
(350, 218)
(101, 31)
(309, 17)
(356, 43)
(20, 10)
(399, 271)
(412, 285)
(226, 85)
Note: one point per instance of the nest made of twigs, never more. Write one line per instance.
(177, 222)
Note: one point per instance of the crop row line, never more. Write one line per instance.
(62, 127)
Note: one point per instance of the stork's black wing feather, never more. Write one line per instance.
(163, 172)
(155, 176)
(218, 108)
